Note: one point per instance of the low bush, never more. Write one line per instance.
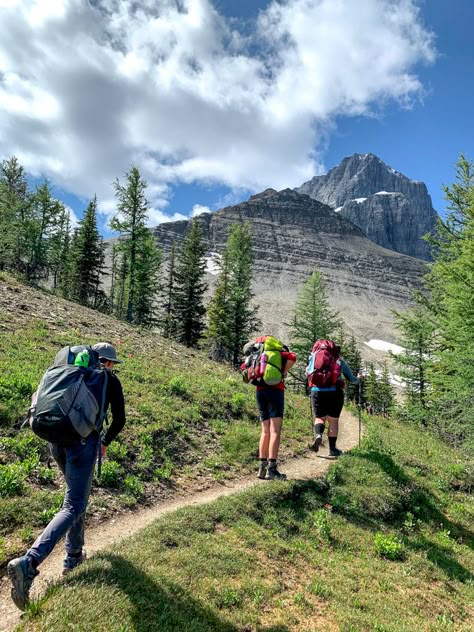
(388, 546)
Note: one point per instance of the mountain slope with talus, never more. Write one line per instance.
(390, 208)
(293, 234)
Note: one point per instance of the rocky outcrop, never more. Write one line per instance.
(293, 234)
(391, 209)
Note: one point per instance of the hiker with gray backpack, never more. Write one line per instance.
(326, 371)
(267, 361)
(68, 410)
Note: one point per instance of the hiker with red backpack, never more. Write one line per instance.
(266, 365)
(325, 373)
(68, 411)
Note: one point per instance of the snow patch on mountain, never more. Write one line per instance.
(382, 345)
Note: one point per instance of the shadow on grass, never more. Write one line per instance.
(165, 607)
(425, 506)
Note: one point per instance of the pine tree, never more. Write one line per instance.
(167, 323)
(130, 222)
(121, 282)
(14, 203)
(231, 314)
(189, 288)
(450, 283)
(385, 396)
(42, 224)
(414, 362)
(313, 318)
(351, 354)
(371, 387)
(87, 259)
(218, 333)
(148, 264)
(58, 250)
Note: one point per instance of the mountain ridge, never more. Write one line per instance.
(360, 189)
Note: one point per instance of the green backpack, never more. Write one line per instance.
(272, 361)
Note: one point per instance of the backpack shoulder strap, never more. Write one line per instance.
(100, 419)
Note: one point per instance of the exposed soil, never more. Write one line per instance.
(101, 536)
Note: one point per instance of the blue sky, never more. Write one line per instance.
(228, 97)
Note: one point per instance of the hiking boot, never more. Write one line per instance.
(274, 475)
(317, 443)
(71, 561)
(335, 452)
(21, 573)
(262, 470)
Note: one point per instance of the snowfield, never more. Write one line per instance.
(382, 345)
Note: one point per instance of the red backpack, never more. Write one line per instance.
(323, 369)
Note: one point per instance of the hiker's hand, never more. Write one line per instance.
(103, 450)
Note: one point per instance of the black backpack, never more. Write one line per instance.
(69, 403)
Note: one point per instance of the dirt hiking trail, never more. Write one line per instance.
(103, 535)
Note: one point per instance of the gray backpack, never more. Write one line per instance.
(69, 403)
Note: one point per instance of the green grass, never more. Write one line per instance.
(187, 418)
(378, 545)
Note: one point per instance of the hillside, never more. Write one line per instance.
(384, 543)
(190, 422)
(292, 234)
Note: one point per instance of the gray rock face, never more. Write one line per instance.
(293, 234)
(391, 209)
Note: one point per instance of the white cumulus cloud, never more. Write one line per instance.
(88, 88)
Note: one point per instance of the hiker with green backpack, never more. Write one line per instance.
(267, 362)
(68, 410)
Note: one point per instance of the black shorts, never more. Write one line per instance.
(327, 403)
(271, 403)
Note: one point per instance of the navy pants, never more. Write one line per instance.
(77, 464)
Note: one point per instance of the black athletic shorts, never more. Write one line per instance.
(271, 403)
(327, 403)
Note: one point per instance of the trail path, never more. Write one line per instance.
(101, 536)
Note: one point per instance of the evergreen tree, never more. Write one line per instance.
(121, 284)
(385, 396)
(313, 319)
(59, 251)
(450, 283)
(167, 322)
(351, 354)
(371, 387)
(87, 259)
(219, 314)
(188, 295)
(14, 203)
(231, 315)
(40, 228)
(130, 222)
(148, 263)
(414, 362)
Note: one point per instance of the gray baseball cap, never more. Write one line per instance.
(107, 351)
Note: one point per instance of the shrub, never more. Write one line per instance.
(237, 403)
(322, 524)
(388, 546)
(12, 480)
(111, 475)
(46, 475)
(178, 386)
(134, 486)
(117, 451)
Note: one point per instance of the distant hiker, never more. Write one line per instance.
(324, 372)
(266, 365)
(82, 376)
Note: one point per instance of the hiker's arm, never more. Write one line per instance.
(117, 405)
(348, 373)
(290, 359)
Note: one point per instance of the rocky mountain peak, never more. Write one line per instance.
(390, 208)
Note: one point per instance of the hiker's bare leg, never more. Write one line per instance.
(264, 439)
(275, 434)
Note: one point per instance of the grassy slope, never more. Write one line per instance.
(190, 421)
(297, 555)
